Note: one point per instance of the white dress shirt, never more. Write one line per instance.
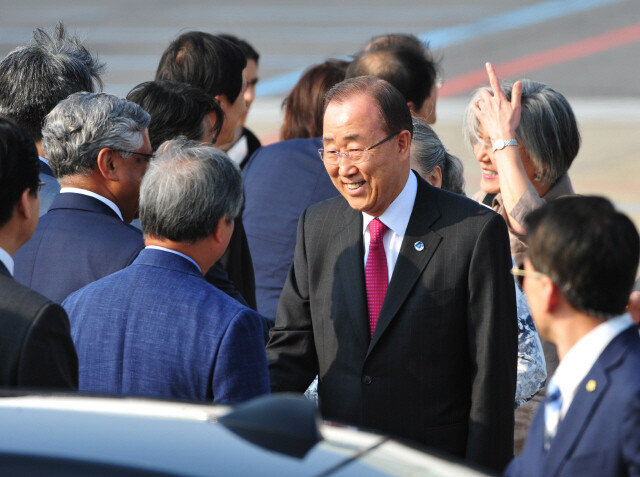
(396, 218)
(175, 252)
(7, 260)
(104, 200)
(583, 355)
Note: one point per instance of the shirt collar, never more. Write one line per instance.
(583, 355)
(104, 200)
(7, 260)
(397, 215)
(186, 257)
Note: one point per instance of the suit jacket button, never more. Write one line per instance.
(367, 380)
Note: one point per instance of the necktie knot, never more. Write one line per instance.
(377, 230)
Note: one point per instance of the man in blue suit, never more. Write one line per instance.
(98, 146)
(583, 257)
(36, 77)
(158, 328)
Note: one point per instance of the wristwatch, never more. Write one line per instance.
(502, 143)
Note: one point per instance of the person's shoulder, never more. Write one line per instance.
(20, 297)
(456, 205)
(327, 209)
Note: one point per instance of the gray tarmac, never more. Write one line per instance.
(586, 49)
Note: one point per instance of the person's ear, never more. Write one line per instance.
(550, 294)
(23, 208)
(404, 142)
(412, 108)
(107, 164)
(220, 234)
(435, 177)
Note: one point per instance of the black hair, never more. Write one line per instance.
(408, 69)
(19, 167)
(206, 61)
(248, 50)
(36, 77)
(176, 109)
(588, 249)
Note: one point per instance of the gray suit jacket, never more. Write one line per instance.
(441, 366)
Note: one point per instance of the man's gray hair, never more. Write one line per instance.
(427, 152)
(548, 130)
(36, 77)
(80, 126)
(187, 189)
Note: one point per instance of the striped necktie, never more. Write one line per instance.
(552, 407)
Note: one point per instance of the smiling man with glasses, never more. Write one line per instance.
(399, 297)
(98, 148)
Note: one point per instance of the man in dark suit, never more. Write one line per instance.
(399, 296)
(157, 328)
(36, 77)
(36, 350)
(582, 261)
(98, 147)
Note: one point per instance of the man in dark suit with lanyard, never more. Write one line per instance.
(399, 296)
(36, 350)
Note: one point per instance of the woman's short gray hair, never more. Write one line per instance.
(81, 125)
(427, 152)
(548, 130)
(187, 189)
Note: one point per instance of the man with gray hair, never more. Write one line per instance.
(163, 330)
(98, 147)
(36, 77)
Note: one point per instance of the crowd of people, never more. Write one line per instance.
(150, 246)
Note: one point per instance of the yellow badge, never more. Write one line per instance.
(591, 385)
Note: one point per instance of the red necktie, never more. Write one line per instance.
(376, 274)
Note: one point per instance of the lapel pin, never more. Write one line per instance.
(419, 246)
(591, 385)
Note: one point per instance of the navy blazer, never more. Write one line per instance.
(49, 190)
(36, 350)
(280, 182)
(600, 434)
(77, 242)
(157, 328)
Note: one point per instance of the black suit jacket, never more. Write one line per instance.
(36, 350)
(441, 366)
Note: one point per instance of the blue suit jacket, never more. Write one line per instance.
(280, 182)
(77, 242)
(50, 189)
(600, 434)
(157, 328)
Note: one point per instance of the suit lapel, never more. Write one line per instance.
(4, 271)
(411, 261)
(584, 405)
(350, 277)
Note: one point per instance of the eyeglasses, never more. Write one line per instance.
(354, 156)
(143, 154)
(41, 185)
(520, 274)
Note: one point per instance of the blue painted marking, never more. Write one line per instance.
(444, 37)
